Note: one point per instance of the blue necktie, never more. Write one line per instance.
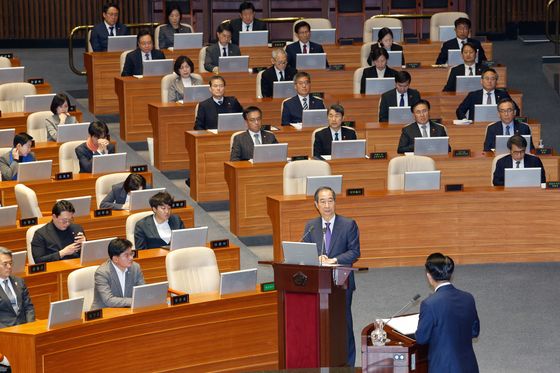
(328, 235)
(507, 131)
(402, 100)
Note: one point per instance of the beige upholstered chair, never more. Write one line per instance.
(131, 224)
(156, 32)
(201, 58)
(104, 183)
(166, 82)
(5, 62)
(258, 82)
(295, 174)
(313, 138)
(123, 58)
(379, 22)
(67, 158)
(36, 125)
(11, 96)
(81, 283)
(232, 137)
(192, 270)
(89, 47)
(494, 161)
(27, 202)
(28, 238)
(357, 80)
(364, 54)
(443, 19)
(399, 165)
(320, 23)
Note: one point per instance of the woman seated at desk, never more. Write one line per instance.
(98, 143)
(167, 32)
(119, 196)
(379, 68)
(154, 231)
(385, 40)
(183, 68)
(59, 108)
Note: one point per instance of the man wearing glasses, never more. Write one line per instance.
(292, 108)
(279, 71)
(15, 304)
(516, 159)
(244, 143)
(507, 125)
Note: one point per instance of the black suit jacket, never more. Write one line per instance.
(269, 77)
(371, 72)
(475, 98)
(496, 129)
(133, 62)
(292, 111)
(389, 99)
(394, 48)
(85, 156)
(100, 35)
(454, 44)
(293, 49)
(411, 131)
(323, 140)
(459, 70)
(208, 110)
(243, 145)
(507, 162)
(213, 54)
(237, 25)
(46, 243)
(146, 235)
(26, 311)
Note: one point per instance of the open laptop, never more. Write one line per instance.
(522, 177)
(454, 57)
(108, 163)
(12, 74)
(486, 113)
(377, 86)
(65, 312)
(157, 67)
(446, 33)
(238, 281)
(34, 103)
(468, 83)
(254, 38)
(431, 145)
(501, 144)
(231, 122)
(397, 33)
(82, 205)
(18, 262)
(94, 251)
(140, 199)
(422, 180)
(324, 36)
(8, 216)
(189, 237)
(7, 137)
(38, 170)
(283, 89)
(395, 59)
(264, 153)
(192, 40)
(196, 93)
(121, 43)
(400, 115)
(72, 132)
(348, 149)
(149, 295)
(311, 61)
(302, 253)
(234, 64)
(314, 118)
(315, 182)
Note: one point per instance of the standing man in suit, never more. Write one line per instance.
(517, 146)
(109, 27)
(144, 52)
(244, 143)
(292, 108)
(402, 95)
(245, 22)
(15, 303)
(279, 71)
(488, 95)
(208, 110)
(334, 132)
(469, 68)
(115, 279)
(303, 45)
(422, 127)
(448, 321)
(462, 31)
(338, 241)
(223, 48)
(507, 125)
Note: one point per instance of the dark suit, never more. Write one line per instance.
(345, 247)
(389, 99)
(100, 35)
(371, 72)
(26, 311)
(323, 140)
(146, 235)
(459, 70)
(243, 145)
(448, 323)
(410, 132)
(208, 110)
(269, 76)
(496, 129)
(394, 48)
(49, 240)
(85, 156)
(133, 61)
(115, 199)
(213, 53)
(292, 111)
(475, 98)
(237, 26)
(507, 162)
(293, 49)
(454, 44)
(108, 291)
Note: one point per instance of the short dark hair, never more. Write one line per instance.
(468, 44)
(172, 8)
(21, 139)
(302, 74)
(250, 109)
(110, 5)
(216, 77)
(246, 5)
(180, 61)
(320, 189)
(160, 199)
(224, 27)
(420, 102)
(118, 246)
(337, 108)
(58, 100)
(61, 206)
(504, 101)
(439, 266)
(384, 32)
(378, 52)
(144, 32)
(491, 70)
(402, 77)
(301, 24)
(518, 141)
(134, 182)
(98, 129)
(4, 251)
(463, 21)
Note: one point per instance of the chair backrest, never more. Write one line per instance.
(123, 58)
(313, 134)
(379, 22)
(28, 238)
(104, 183)
(89, 47)
(67, 158)
(258, 82)
(192, 270)
(364, 54)
(357, 80)
(166, 82)
(295, 174)
(131, 224)
(5, 62)
(443, 19)
(399, 165)
(314, 23)
(81, 283)
(494, 161)
(11, 96)
(201, 58)
(232, 136)
(36, 125)
(27, 202)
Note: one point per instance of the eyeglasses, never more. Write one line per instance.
(506, 111)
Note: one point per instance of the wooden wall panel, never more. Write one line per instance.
(493, 15)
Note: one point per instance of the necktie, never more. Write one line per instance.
(424, 133)
(305, 105)
(281, 76)
(517, 164)
(11, 296)
(470, 71)
(248, 27)
(489, 99)
(507, 130)
(147, 55)
(401, 103)
(336, 136)
(257, 139)
(219, 102)
(304, 48)
(328, 235)
(225, 52)
(111, 31)
(463, 42)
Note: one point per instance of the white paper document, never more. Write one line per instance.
(405, 324)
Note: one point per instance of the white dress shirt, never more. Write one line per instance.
(473, 67)
(307, 44)
(485, 96)
(250, 25)
(164, 230)
(442, 285)
(399, 98)
(121, 275)
(186, 82)
(252, 134)
(427, 128)
(9, 286)
(307, 98)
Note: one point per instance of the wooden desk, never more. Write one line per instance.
(102, 68)
(234, 333)
(18, 121)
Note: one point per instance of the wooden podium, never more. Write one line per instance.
(311, 316)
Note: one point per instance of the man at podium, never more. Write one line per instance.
(338, 242)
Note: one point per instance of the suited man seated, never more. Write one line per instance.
(223, 48)
(208, 110)
(279, 71)
(144, 52)
(15, 303)
(422, 127)
(507, 125)
(516, 159)
(468, 68)
(154, 231)
(109, 27)
(292, 108)
(119, 196)
(402, 95)
(462, 31)
(245, 22)
(488, 95)
(303, 45)
(334, 132)
(379, 58)
(244, 143)
(115, 279)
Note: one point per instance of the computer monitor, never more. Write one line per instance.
(82, 205)
(18, 262)
(311, 61)
(196, 93)
(431, 145)
(315, 182)
(108, 163)
(253, 38)
(283, 89)
(446, 33)
(150, 295)
(501, 144)
(189, 237)
(65, 312)
(422, 180)
(302, 253)
(238, 281)
(522, 177)
(95, 251)
(72, 132)
(157, 67)
(454, 57)
(12, 74)
(8, 216)
(7, 137)
(395, 59)
(377, 86)
(140, 199)
(231, 122)
(324, 36)
(314, 118)
(121, 43)
(34, 103)
(37, 170)
(400, 115)
(397, 33)
(234, 64)
(468, 83)
(187, 40)
(348, 149)
(486, 113)
(265, 153)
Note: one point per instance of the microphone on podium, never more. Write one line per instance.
(408, 304)
(306, 233)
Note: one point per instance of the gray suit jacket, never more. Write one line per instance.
(213, 55)
(175, 90)
(167, 35)
(115, 199)
(108, 291)
(52, 125)
(26, 312)
(243, 145)
(9, 168)
(146, 235)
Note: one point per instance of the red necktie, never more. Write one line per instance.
(305, 48)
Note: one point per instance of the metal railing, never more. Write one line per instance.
(556, 37)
